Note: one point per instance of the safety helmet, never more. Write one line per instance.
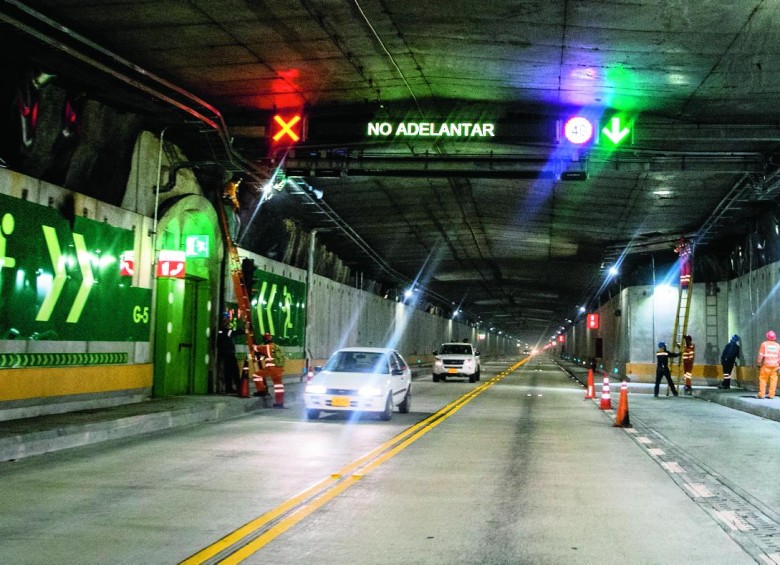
(661, 344)
(771, 335)
(735, 338)
(268, 338)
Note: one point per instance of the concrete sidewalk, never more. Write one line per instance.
(45, 434)
(735, 398)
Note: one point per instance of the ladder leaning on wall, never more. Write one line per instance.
(239, 286)
(684, 295)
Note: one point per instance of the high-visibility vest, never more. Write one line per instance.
(769, 354)
(267, 354)
(688, 352)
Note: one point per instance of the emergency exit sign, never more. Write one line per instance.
(593, 321)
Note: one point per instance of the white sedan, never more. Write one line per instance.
(360, 379)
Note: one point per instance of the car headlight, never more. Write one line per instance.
(438, 363)
(370, 391)
(315, 389)
(468, 363)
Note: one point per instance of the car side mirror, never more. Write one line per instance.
(477, 353)
(317, 368)
(398, 372)
(435, 352)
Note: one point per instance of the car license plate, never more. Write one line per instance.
(340, 401)
(452, 370)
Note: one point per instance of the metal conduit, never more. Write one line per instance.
(215, 121)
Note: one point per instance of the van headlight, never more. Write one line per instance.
(370, 391)
(315, 389)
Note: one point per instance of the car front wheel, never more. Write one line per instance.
(312, 414)
(388, 411)
(435, 378)
(406, 405)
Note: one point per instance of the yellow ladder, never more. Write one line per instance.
(242, 296)
(681, 324)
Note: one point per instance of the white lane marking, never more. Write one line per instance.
(631, 430)
(656, 451)
(733, 521)
(699, 490)
(673, 467)
(644, 439)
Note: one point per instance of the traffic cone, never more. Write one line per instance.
(621, 420)
(591, 391)
(606, 403)
(243, 384)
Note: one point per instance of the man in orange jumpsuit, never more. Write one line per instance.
(688, 353)
(768, 362)
(271, 359)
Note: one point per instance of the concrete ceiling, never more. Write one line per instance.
(483, 224)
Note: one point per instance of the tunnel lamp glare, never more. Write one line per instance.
(613, 271)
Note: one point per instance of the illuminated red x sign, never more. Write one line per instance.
(290, 128)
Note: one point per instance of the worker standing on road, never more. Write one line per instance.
(728, 358)
(226, 354)
(768, 362)
(271, 358)
(662, 357)
(688, 353)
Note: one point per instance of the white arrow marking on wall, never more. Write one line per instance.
(58, 263)
(260, 302)
(87, 279)
(268, 308)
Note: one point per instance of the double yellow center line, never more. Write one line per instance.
(251, 537)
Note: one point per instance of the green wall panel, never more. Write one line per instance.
(60, 281)
(279, 308)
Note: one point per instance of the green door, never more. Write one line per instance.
(181, 337)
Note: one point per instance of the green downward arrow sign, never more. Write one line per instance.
(615, 132)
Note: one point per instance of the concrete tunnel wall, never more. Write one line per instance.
(747, 306)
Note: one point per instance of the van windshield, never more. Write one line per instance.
(455, 349)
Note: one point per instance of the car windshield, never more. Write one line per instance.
(455, 349)
(358, 362)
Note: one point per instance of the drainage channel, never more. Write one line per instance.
(753, 525)
(748, 521)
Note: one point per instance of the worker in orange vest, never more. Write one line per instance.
(230, 196)
(271, 359)
(684, 250)
(768, 362)
(688, 353)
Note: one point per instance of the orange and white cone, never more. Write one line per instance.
(243, 384)
(621, 419)
(606, 402)
(591, 391)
